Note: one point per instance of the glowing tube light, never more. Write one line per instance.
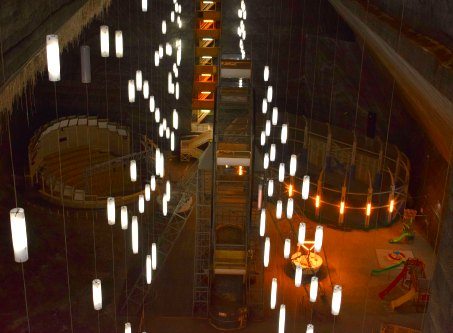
(290, 190)
(270, 188)
(172, 16)
(164, 205)
(161, 167)
(287, 248)
(164, 27)
(172, 141)
(19, 234)
(305, 187)
(149, 270)
(268, 128)
(318, 201)
(145, 89)
(111, 210)
(342, 207)
(290, 208)
(273, 293)
(147, 192)
(267, 250)
(175, 119)
(131, 91)
(177, 90)
(313, 289)
(161, 130)
(153, 183)
(85, 62)
(156, 59)
(119, 45)
(167, 133)
(281, 172)
(301, 234)
(281, 319)
(266, 73)
(152, 104)
(269, 94)
(97, 294)
(284, 134)
(244, 14)
(154, 255)
(144, 6)
(278, 210)
(266, 161)
(368, 209)
(274, 115)
(264, 106)
(157, 115)
(127, 328)
(263, 138)
(178, 56)
(319, 234)
(168, 190)
(310, 328)
(336, 300)
(124, 217)
(273, 152)
(260, 196)
(133, 170)
(53, 57)
(178, 20)
(161, 51)
(391, 205)
(263, 222)
(134, 234)
(170, 82)
(298, 277)
(105, 46)
(139, 80)
(168, 49)
(240, 13)
(293, 165)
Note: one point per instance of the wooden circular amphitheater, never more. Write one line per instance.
(83, 159)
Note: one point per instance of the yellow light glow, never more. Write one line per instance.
(318, 201)
(208, 39)
(208, 2)
(391, 205)
(206, 57)
(206, 74)
(342, 207)
(208, 21)
(205, 110)
(368, 209)
(290, 190)
(206, 92)
(240, 171)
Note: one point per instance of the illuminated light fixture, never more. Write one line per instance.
(244, 14)
(157, 115)
(124, 218)
(119, 46)
(145, 89)
(266, 73)
(134, 234)
(240, 170)
(293, 165)
(290, 208)
(268, 128)
(178, 20)
(141, 203)
(342, 207)
(368, 209)
(273, 300)
(172, 141)
(178, 56)
(273, 152)
(97, 294)
(164, 123)
(336, 300)
(241, 44)
(53, 57)
(287, 248)
(290, 190)
(298, 277)
(310, 328)
(164, 205)
(172, 16)
(281, 319)
(149, 270)
(144, 6)
(153, 183)
(105, 45)
(240, 13)
(175, 70)
(269, 94)
(131, 91)
(111, 210)
(133, 170)
(263, 222)
(167, 133)
(147, 192)
(284, 134)
(179, 9)
(301, 234)
(19, 234)
(274, 115)
(264, 106)
(168, 190)
(177, 90)
(139, 80)
(260, 196)
(161, 165)
(244, 34)
(168, 49)
(239, 31)
(164, 27)
(318, 201)
(170, 83)
(263, 138)
(267, 251)
(313, 289)
(270, 188)
(266, 161)
(161, 51)
(161, 130)
(319, 234)
(85, 62)
(175, 119)
(305, 187)
(391, 205)
(279, 209)
(281, 172)
(152, 104)
(154, 256)
(156, 58)
(127, 328)
(176, 6)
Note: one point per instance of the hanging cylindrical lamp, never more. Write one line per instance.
(263, 222)
(177, 90)
(168, 49)
(127, 328)
(153, 183)
(147, 192)
(310, 328)
(274, 115)
(172, 16)
(281, 319)
(293, 165)
(269, 94)
(167, 133)
(149, 270)
(111, 210)
(175, 119)
(164, 204)
(170, 82)
(119, 46)
(164, 27)
(336, 300)
(134, 234)
(178, 56)
(318, 201)
(145, 89)
(131, 91)
(156, 59)
(319, 234)
(172, 141)
(157, 115)
(287, 248)
(301, 233)
(264, 106)
(168, 190)
(305, 187)
(19, 234)
(298, 277)
(279, 209)
(342, 206)
(161, 165)
(124, 218)
(144, 6)
(284, 134)
(240, 13)
(97, 294)
(267, 251)
(105, 45)
(313, 289)
(85, 64)
(273, 152)
(266, 161)
(290, 208)
(161, 51)
(133, 170)
(263, 138)
(268, 128)
(175, 70)
(391, 205)
(161, 130)
(53, 57)
(266, 73)
(260, 196)
(273, 300)
(270, 188)
(139, 80)
(281, 172)
(152, 104)
(154, 256)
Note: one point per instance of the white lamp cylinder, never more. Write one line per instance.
(97, 294)
(298, 277)
(53, 57)
(263, 222)
(266, 73)
(145, 89)
(168, 190)
(141, 203)
(273, 293)
(167, 133)
(293, 165)
(279, 209)
(266, 161)
(127, 328)
(131, 91)
(336, 300)
(164, 204)
(134, 234)
(133, 170)
(270, 188)
(124, 218)
(153, 183)
(289, 208)
(164, 27)
(175, 119)
(281, 172)
(177, 90)
(287, 248)
(105, 44)
(269, 94)
(273, 152)
(85, 64)
(156, 58)
(152, 104)
(172, 141)
(284, 134)
(268, 128)
(172, 16)
(274, 115)
(301, 233)
(144, 6)
(264, 106)
(281, 319)
(319, 234)
(19, 234)
(111, 210)
(310, 328)
(305, 187)
(119, 46)
(263, 138)
(157, 115)
(168, 49)
(267, 251)
(154, 255)
(139, 80)
(149, 270)
(313, 289)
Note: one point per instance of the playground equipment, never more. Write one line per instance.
(408, 228)
(413, 279)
